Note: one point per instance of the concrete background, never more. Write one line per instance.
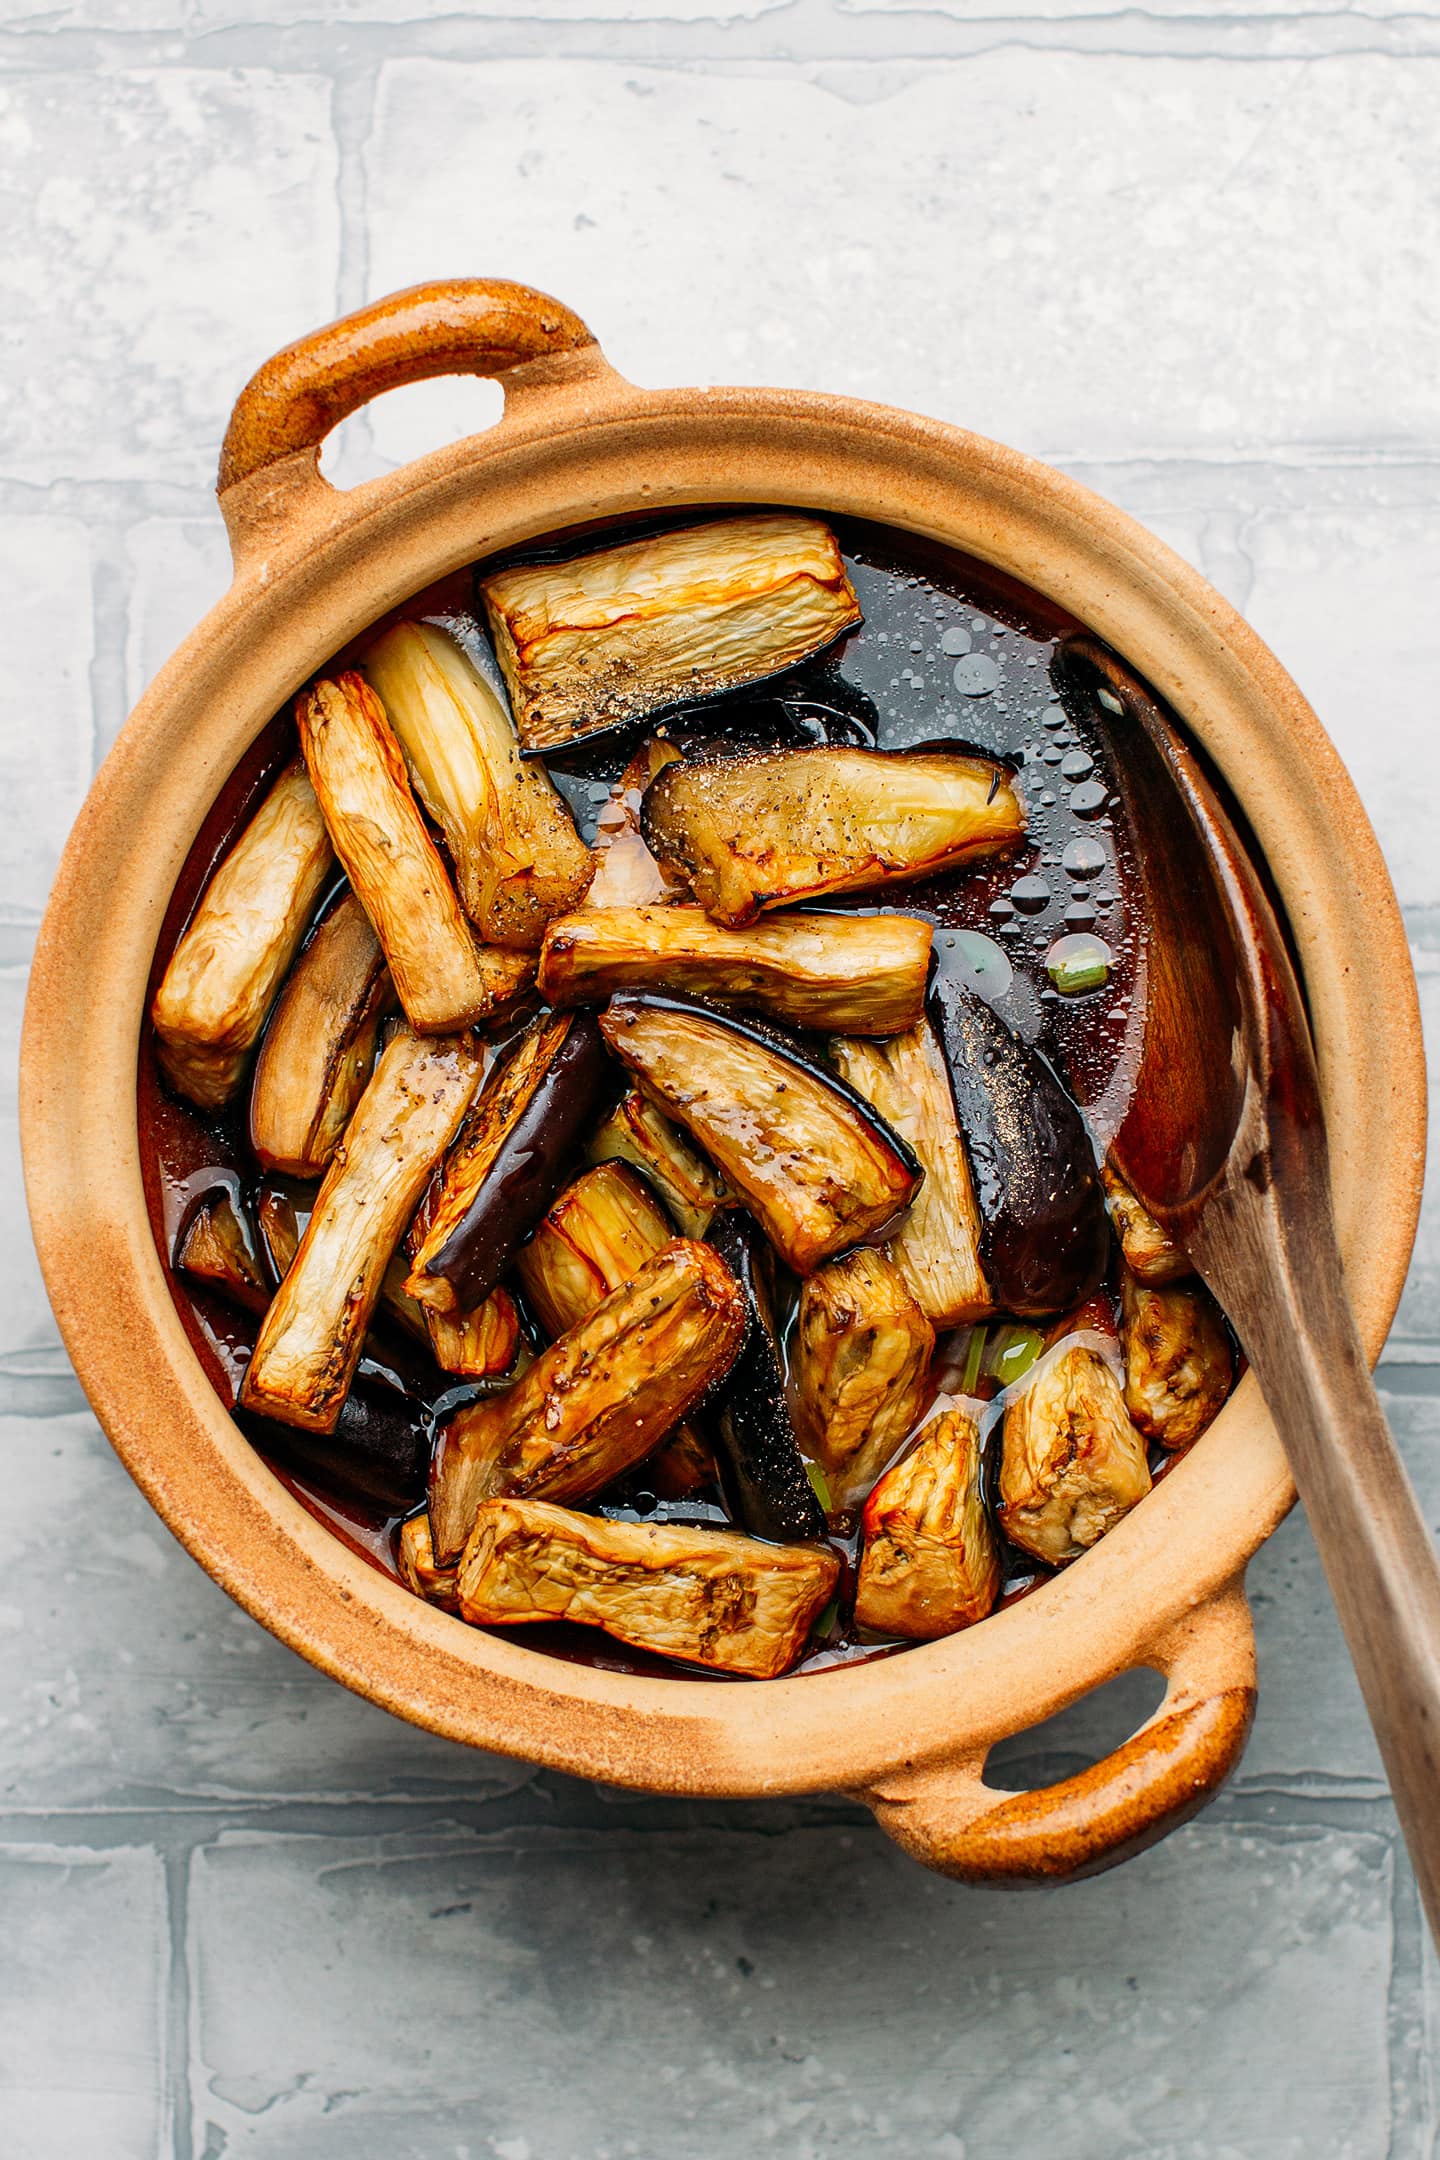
(1190, 257)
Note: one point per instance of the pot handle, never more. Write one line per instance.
(946, 1816)
(456, 326)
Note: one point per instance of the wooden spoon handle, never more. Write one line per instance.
(1283, 1286)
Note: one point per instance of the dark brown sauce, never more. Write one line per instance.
(950, 650)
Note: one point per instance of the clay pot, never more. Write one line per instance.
(313, 566)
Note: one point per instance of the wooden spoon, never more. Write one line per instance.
(1224, 1142)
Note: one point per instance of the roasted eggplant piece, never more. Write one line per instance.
(1072, 1463)
(319, 1048)
(233, 956)
(598, 1400)
(1149, 1252)
(518, 858)
(787, 825)
(626, 873)
(279, 1225)
(596, 1235)
(937, 1246)
(760, 1459)
(710, 1597)
(818, 1167)
(1179, 1366)
(377, 1454)
(214, 1247)
(479, 1344)
(442, 978)
(310, 1339)
(599, 1233)
(636, 1132)
(851, 974)
(931, 1562)
(861, 1361)
(1045, 1240)
(508, 1163)
(625, 630)
(415, 1557)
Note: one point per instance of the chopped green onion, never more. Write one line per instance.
(1079, 963)
(820, 1484)
(975, 1352)
(1015, 1351)
(825, 1625)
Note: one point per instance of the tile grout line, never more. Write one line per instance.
(180, 2009)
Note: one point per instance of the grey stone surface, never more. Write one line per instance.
(1191, 257)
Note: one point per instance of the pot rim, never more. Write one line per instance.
(313, 567)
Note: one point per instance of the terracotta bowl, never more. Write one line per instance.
(313, 566)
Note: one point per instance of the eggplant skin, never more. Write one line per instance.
(709, 1597)
(598, 1400)
(786, 825)
(443, 979)
(310, 1339)
(621, 631)
(214, 1248)
(931, 1562)
(319, 1048)
(937, 1246)
(817, 1166)
(750, 1416)
(636, 1132)
(378, 1452)
(861, 1359)
(518, 858)
(1179, 1365)
(1149, 1252)
(597, 1234)
(235, 951)
(1072, 1463)
(415, 1558)
(509, 1161)
(1045, 1239)
(840, 974)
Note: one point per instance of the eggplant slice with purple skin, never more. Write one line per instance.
(378, 1453)
(509, 1161)
(782, 826)
(838, 974)
(749, 1414)
(817, 1165)
(710, 1597)
(636, 1132)
(1045, 1236)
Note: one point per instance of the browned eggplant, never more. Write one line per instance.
(319, 1048)
(761, 1463)
(378, 1453)
(278, 1220)
(415, 1557)
(626, 873)
(1072, 1463)
(508, 1163)
(1149, 1252)
(931, 1563)
(1045, 1239)
(1179, 1366)
(597, 1234)
(598, 1400)
(937, 1246)
(442, 978)
(818, 1167)
(232, 958)
(710, 1597)
(518, 858)
(477, 1344)
(852, 974)
(636, 1132)
(861, 1360)
(214, 1247)
(310, 1339)
(626, 630)
(786, 825)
